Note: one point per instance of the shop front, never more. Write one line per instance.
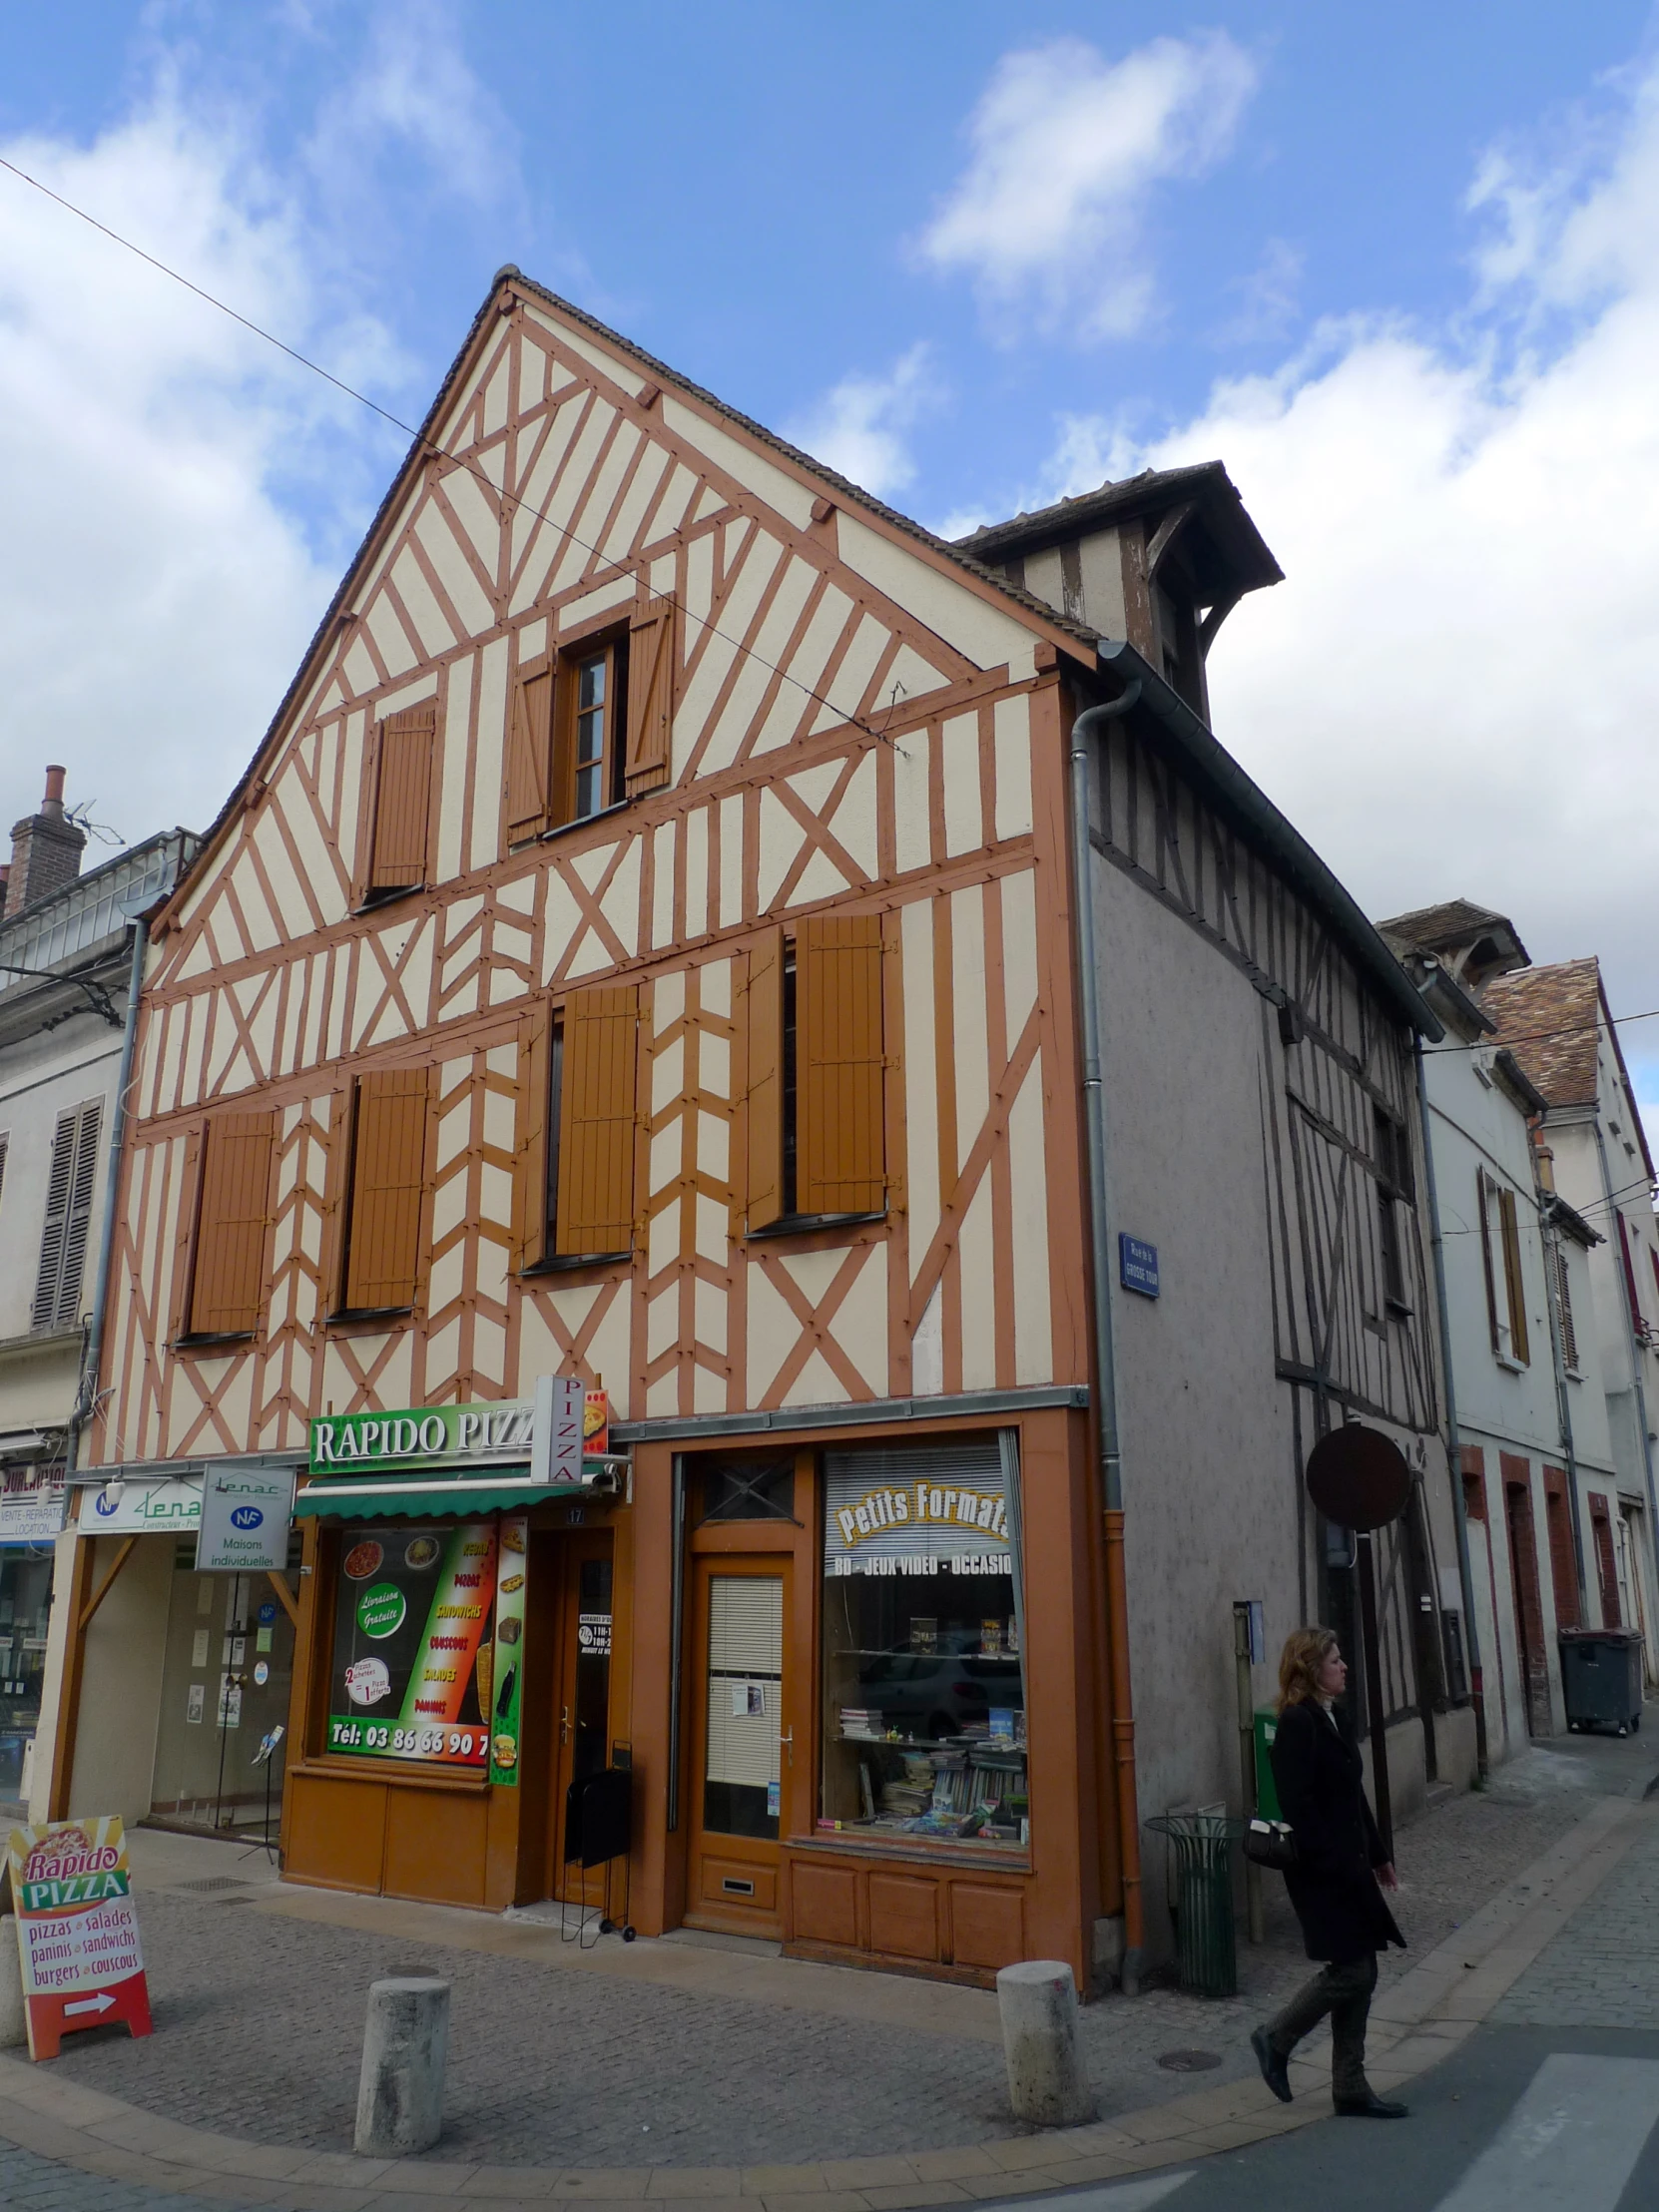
(458, 1635)
(856, 1717)
(31, 1514)
(174, 1678)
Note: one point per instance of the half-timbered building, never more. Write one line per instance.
(644, 950)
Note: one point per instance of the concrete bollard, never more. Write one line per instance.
(406, 2043)
(1046, 2083)
(14, 2025)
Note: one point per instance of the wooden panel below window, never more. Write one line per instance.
(740, 1881)
(987, 1927)
(826, 1905)
(904, 1916)
(336, 1832)
(436, 1847)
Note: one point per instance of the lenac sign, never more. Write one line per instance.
(244, 1521)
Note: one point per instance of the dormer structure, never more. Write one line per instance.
(1160, 559)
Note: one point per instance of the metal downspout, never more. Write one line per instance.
(1454, 1451)
(1106, 1404)
(1632, 1319)
(86, 1394)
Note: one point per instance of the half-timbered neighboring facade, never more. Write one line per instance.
(644, 950)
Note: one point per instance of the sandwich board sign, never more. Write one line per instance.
(77, 1930)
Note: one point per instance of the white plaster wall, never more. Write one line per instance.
(40, 1078)
(121, 1681)
(1210, 1480)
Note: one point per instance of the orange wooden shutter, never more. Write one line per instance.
(650, 698)
(530, 757)
(1486, 1256)
(227, 1289)
(530, 1151)
(595, 1210)
(764, 1043)
(388, 1167)
(840, 1152)
(402, 799)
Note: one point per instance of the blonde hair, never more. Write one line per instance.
(1305, 1653)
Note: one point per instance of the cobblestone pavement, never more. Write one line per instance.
(32, 2184)
(258, 2023)
(1602, 1970)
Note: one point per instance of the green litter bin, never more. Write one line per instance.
(1204, 1951)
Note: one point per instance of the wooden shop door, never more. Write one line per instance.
(744, 1769)
(581, 1694)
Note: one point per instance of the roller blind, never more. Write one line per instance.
(402, 799)
(841, 1165)
(388, 1163)
(595, 1205)
(228, 1287)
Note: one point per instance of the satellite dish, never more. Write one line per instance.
(1358, 1478)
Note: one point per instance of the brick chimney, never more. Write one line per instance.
(46, 849)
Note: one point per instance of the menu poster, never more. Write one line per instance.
(503, 1693)
(77, 1930)
(411, 1652)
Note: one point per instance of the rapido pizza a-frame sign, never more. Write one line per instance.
(77, 1930)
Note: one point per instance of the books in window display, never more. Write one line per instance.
(861, 1724)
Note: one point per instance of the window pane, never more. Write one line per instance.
(591, 684)
(742, 1775)
(749, 1489)
(924, 1677)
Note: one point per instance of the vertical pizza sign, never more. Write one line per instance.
(78, 1938)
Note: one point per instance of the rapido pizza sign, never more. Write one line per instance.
(78, 1938)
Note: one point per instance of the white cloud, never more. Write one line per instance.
(858, 427)
(180, 497)
(1067, 148)
(1457, 692)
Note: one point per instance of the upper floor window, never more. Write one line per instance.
(63, 1243)
(1501, 1256)
(225, 1288)
(400, 825)
(591, 726)
(816, 1109)
(1394, 1190)
(386, 1174)
(579, 1135)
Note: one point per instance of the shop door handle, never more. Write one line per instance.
(564, 1724)
(786, 1742)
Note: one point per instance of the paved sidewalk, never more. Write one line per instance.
(670, 2071)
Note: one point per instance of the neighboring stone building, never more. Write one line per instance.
(65, 971)
(1533, 1422)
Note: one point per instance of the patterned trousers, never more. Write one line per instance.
(1344, 1992)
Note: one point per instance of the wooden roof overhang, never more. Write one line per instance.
(1047, 625)
(1243, 803)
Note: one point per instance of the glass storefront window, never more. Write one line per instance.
(412, 1673)
(227, 1674)
(923, 1674)
(25, 1607)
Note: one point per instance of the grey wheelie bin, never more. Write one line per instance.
(1601, 1678)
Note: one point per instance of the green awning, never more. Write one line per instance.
(401, 1499)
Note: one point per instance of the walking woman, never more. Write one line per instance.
(1336, 1884)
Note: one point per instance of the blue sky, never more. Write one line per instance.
(1398, 267)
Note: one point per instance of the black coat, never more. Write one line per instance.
(1319, 1779)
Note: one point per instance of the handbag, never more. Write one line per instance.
(1269, 1844)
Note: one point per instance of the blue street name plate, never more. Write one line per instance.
(1138, 1265)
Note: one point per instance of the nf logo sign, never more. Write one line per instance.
(104, 1504)
(245, 1512)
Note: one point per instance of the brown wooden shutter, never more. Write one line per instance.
(650, 698)
(764, 1082)
(530, 1151)
(594, 1211)
(1569, 1331)
(1607, 1573)
(1513, 1283)
(530, 757)
(402, 799)
(839, 1154)
(1636, 1321)
(229, 1281)
(1486, 1258)
(388, 1169)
